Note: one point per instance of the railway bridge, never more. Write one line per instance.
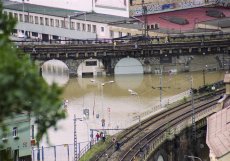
(142, 141)
(144, 57)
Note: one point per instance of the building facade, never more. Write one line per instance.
(112, 7)
(49, 23)
(16, 140)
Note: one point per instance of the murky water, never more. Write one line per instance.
(114, 103)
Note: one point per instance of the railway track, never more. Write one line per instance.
(140, 135)
(126, 46)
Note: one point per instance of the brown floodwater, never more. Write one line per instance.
(114, 101)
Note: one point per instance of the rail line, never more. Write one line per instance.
(149, 137)
(140, 134)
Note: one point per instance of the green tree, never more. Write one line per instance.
(22, 88)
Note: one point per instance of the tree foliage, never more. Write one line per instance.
(22, 88)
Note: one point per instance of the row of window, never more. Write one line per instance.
(54, 22)
(60, 23)
(15, 132)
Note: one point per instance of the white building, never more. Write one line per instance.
(49, 23)
(112, 7)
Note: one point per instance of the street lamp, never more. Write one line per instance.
(193, 157)
(204, 70)
(75, 137)
(23, 18)
(132, 92)
(102, 84)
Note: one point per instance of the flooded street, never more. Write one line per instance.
(114, 102)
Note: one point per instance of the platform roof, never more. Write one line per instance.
(218, 132)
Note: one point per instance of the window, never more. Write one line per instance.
(111, 34)
(15, 131)
(51, 22)
(78, 26)
(72, 25)
(36, 19)
(31, 19)
(62, 24)
(41, 21)
(89, 28)
(5, 13)
(128, 34)
(35, 34)
(26, 18)
(46, 21)
(20, 18)
(57, 23)
(102, 29)
(91, 63)
(94, 29)
(32, 131)
(66, 24)
(10, 14)
(120, 34)
(83, 27)
(55, 37)
(16, 16)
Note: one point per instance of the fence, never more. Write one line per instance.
(165, 102)
(63, 152)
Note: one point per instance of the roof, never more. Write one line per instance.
(193, 16)
(227, 78)
(59, 12)
(218, 132)
(223, 23)
(102, 18)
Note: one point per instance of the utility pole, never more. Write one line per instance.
(144, 17)
(193, 112)
(75, 138)
(204, 77)
(160, 87)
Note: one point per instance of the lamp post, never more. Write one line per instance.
(193, 157)
(102, 84)
(193, 111)
(204, 70)
(23, 18)
(76, 157)
(132, 92)
(84, 117)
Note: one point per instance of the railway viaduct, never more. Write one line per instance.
(174, 55)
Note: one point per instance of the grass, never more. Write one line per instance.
(96, 149)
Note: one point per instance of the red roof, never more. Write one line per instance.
(192, 15)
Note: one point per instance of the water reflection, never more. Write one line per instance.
(147, 86)
(55, 71)
(129, 81)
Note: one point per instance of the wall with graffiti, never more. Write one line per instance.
(154, 6)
